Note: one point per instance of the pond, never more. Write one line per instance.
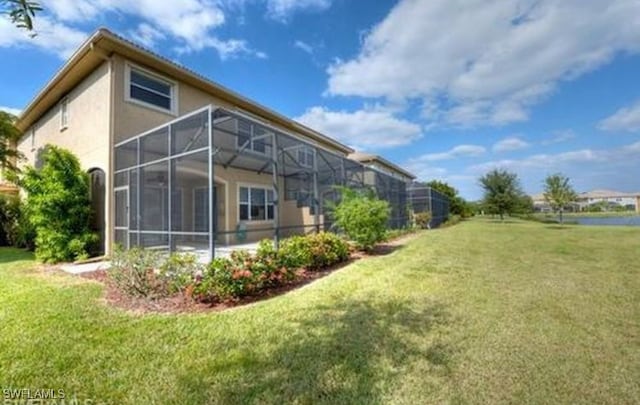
(627, 220)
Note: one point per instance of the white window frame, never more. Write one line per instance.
(173, 85)
(252, 139)
(306, 151)
(64, 113)
(266, 204)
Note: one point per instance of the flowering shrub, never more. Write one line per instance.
(147, 273)
(326, 250)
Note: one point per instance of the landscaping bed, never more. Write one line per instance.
(183, 302)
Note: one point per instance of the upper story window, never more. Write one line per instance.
(252, 138)
(150, 90)
(64, 113)
(305, 156)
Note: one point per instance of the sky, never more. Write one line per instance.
(448, 89)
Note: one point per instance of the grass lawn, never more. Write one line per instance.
(481, 312)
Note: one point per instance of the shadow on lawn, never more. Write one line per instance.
(341, 353)
(9, 255)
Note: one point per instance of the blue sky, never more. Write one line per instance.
(448, 89)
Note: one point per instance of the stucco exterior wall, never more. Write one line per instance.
(87, 131)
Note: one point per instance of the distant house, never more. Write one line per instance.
(608, 199)
(181, 163)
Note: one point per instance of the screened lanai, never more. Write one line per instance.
(216, 178)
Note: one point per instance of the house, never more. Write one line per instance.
(180, 163)
(610, 199)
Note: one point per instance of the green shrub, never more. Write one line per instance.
(58, 206)
(422, 219)
(452, 220)
(151, 274)
(326, 250)
(363, 217)
(295, 252)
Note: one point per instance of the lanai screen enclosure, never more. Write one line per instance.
(190, 185)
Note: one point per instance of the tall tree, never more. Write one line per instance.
(502, 192)
(457, 204)
(559, 193)
(9, 134)
(21, 12)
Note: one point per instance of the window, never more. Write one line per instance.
(32, 135)
(64, 113)
(251, 138)
(150, 90)
(305, 156)
(255, 204)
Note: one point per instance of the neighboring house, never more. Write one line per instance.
(181, 163)
(610, 198)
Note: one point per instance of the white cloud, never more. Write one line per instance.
(11, 110)
(625, 119)
(491, 74)
(362, 129)
(303, 46)
(510, 144)
(283, 9)
(455, 152)
(560, 136)
(52, 36)
(190, 24)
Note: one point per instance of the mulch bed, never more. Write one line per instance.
(182, 304)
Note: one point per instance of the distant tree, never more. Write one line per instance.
(502, 192)
(558, 193)
(21, 12)
(8, 135)
(457, 204)
(524, 205)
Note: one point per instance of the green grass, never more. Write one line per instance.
(482, 312)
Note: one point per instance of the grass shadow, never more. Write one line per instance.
(9, 255)
(342, 353)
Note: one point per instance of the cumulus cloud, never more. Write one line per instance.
(510, 144)
(459, 151)
(362, 129)
(513, 58)
(190, 24)
(625, 119)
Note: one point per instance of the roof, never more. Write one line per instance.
(103, 43)
(369, 158)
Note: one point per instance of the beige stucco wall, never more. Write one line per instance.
(87, 132)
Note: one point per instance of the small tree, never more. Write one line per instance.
(9, 134)
(558, 193)
(58, 206)
(363, 217)
(502, 192)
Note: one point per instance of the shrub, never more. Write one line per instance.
(326, 250)
(363, 217)
(150, 274)
(295, 252)
(452, 220)
(136, 272)
(58, 206)
(422, 220)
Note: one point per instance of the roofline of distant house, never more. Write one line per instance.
(104, 41)
(367, 158)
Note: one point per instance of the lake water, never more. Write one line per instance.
(629, 221)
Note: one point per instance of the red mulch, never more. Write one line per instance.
(183, 304)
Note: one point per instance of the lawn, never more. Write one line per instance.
(482, 312)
